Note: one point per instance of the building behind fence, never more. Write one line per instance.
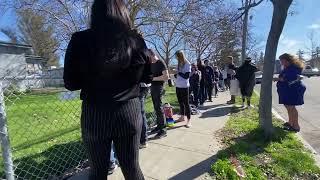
(39, 119)
(44, 131)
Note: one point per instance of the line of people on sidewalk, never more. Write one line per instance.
(112, 66)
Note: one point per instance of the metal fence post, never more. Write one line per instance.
(5, 141)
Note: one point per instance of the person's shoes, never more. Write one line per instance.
(210, 100)
(112, 168)
(155, 130)
(188, 125)
(291, 129)
(231, 102)
(286, 124)
(143, 145)
(161, 134)
(243, 105)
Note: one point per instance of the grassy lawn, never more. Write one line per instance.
(45, 134)
(282, 157)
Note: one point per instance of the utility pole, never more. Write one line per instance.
(247, 6)
(245, 31)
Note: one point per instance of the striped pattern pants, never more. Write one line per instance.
(119, 123)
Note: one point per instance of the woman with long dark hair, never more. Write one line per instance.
(291, 89)
(107, 63)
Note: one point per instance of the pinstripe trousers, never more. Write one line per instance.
(120, 123)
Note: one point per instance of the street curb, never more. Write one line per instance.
(316, 156)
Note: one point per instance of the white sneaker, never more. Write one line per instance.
(188, 125)
(250, 107)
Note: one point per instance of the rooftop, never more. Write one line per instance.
(2, 43)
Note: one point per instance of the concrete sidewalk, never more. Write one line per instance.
(185, 154)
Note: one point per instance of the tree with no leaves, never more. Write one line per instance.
(280, 12)
(40, 36)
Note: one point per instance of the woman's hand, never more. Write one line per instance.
(278, 79)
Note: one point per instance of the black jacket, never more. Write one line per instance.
(208, 75)
(247, 79)
(109, 83)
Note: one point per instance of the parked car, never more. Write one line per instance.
(258, 77)
(309, 71)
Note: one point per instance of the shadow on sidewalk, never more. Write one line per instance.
(196, 170)
(211, 106)
(217, 112)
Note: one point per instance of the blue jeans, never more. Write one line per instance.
(143, 94)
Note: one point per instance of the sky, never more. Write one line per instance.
(306, 18)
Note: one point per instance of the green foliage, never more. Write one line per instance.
(281, 157)
(224, 170)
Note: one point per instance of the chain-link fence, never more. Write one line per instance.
(41, 120)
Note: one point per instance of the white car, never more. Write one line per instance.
(258, 77)
(309, 71)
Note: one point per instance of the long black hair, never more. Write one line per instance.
(110, 12)
(115, 41)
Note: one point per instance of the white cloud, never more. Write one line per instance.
(314, 26)
(288, 45)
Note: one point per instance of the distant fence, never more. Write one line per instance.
(40, 128)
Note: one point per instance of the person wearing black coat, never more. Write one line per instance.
(107, 63)
(202, 90)
(216, 74)
(208, 79)
(246, 76)
(195, 79)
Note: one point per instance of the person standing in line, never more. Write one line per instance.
(160, 75)
(203, 92)
(182, 87)
(291, 89)
(209, 79)
(195, 79)
(216, 80)
(225, 79)
(231, 72)
(221, 80)
(144, 89)
(107, 62)
(246, 76)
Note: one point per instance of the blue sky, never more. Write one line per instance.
(306, 18)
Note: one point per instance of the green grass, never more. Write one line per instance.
(45, 132)
(282, 157)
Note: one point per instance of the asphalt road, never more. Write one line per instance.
(309, 113)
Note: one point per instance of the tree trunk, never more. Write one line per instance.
(280, 11)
